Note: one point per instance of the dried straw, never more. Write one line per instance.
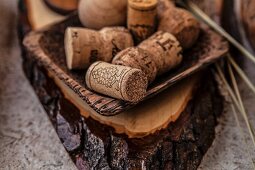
(241, 74)
(236, 102)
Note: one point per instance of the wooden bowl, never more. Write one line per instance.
(47, 47)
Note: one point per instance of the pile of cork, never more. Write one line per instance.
(121, 61)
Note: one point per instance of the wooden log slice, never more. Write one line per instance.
(181, 145)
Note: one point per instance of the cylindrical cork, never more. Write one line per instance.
(181, 24)
(141, 19)
(163, 6)
(115, 39)
(82, 46)
(137, 58)
(117, 81)
(166, 50)
(85, 46)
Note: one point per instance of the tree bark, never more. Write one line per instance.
(91, 144)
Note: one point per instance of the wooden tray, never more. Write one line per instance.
(47, 48)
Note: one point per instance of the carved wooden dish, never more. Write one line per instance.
(47, 48)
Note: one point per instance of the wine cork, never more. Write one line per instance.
(141, 18)
(117, 81)
(85, 46)
(163, 6)
(82, 46)
(166, 50)
(137, 58)
(115, 40)
(158, 54)
(181, 24)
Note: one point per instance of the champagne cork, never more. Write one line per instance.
(117, 81)
(181, 24)
(141, 19)
(85, 46)
(166, 50)
(137, 58)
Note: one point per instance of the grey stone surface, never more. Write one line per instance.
(229, 150)
(28, 140)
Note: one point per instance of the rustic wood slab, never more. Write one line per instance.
(47, 47)
(180, 145)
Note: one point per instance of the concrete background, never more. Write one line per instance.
(28, 140)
